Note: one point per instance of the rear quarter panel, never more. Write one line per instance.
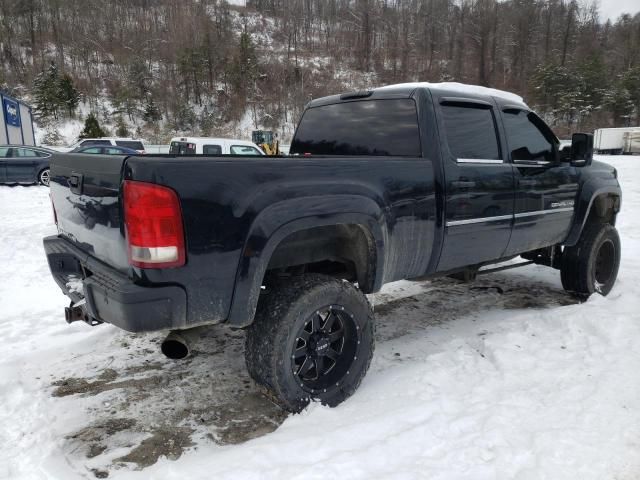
(236, 210)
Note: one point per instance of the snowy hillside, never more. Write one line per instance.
(503, 378)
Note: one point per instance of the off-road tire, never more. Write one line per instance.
(284, 309)
(591, 266)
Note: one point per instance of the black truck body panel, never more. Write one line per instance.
(423, 215)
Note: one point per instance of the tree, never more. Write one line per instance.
(244, 70)
(46, 89)
(53, 92)
(151, 110)
(558, 91)
(620, 102)
(92, 128)
(631, 82)
(121, 127)
(68, 96)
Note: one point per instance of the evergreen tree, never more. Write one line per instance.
(244, 70)
(558, 92)
(137, 79)
(121, 127)
(631, 82)
(52, 136)
(68, 96)
(151, 110)
(46, 91)
(620, 102)
(124, 102)
(92, 128)
(53, 92)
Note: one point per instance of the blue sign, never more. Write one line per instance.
(11, 112)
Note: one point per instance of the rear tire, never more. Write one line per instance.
(44, 177)
(312, 339)
(591, 266)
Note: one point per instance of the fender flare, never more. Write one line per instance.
(588, 195)
(271, 227)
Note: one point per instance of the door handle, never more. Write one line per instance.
(463, 184)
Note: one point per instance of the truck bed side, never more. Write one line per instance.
(238, 212)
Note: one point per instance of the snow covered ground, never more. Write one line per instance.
(503, 378)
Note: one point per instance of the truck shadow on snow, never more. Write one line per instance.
(155, 407)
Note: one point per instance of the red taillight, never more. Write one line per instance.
(153, 222)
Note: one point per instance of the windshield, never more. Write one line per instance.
(244, 150)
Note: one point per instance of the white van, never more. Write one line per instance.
(132, 143)
(212, 146)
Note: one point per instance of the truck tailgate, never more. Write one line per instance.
(85, 194)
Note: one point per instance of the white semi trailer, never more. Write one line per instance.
(631, 143)
(611, 140)
(16, 123)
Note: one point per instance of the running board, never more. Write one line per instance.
(504, 267)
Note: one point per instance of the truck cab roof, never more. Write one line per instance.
(407, 90)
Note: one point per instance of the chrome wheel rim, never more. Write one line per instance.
(45, 177)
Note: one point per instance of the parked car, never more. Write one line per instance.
(22, 164)
(212, 146)
(113, 141)
(395, 183)
(106, 150)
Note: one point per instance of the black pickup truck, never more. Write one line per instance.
(406, 181)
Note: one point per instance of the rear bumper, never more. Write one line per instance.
(112, 297)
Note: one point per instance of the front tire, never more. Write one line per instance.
(591, 266)
(312, 339)
(44, 177)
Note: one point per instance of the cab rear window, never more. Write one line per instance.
(366, 127)
(182, 148)
(130, 144)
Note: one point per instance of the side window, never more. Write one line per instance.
(527, 137)
(25, 152)
(244, 150)
(92, 150)
(470, 132)
(5, 152)
(113, 151)
(212, 150)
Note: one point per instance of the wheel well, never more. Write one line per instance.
(344, 251)
(604, 209)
